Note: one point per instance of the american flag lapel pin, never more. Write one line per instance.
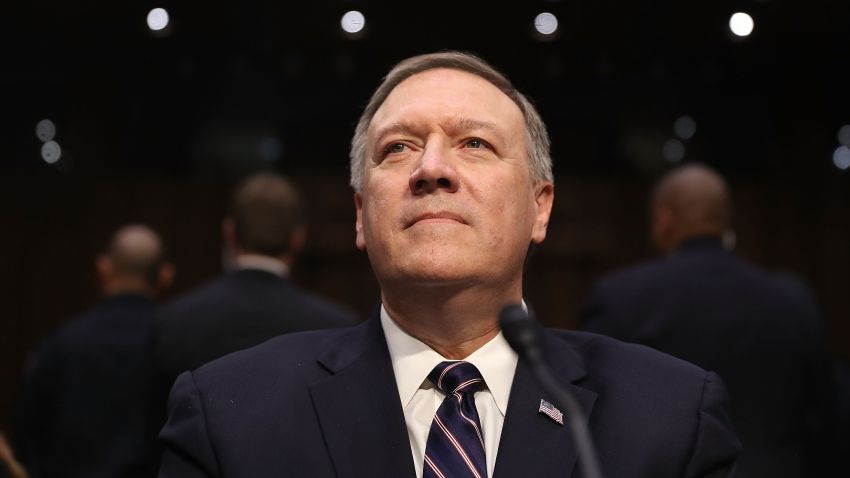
(550, 411)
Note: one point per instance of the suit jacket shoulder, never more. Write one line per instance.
(85, 408)
(758, 330)
(316, 404)
(236, 311)
(259, 294)
(661, 416)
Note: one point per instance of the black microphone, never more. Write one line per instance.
(523, 335)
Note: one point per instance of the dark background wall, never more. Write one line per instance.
(156, 127)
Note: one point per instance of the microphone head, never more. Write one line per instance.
(520, 331)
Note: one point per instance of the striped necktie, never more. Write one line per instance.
(455, 447)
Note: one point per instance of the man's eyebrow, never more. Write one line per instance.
(454, 126)
(468, 124)
(400, 127)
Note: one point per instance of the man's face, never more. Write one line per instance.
(446, 197)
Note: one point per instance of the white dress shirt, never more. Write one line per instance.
(413, 361)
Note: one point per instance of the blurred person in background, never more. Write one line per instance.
(255, 300)
(87, 409)
(761, 332)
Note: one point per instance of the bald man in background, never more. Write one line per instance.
(759, 331)
(86, 406)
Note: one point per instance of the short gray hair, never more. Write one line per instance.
(539, 163)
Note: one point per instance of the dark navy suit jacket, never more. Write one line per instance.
(325, 404)
(86, 409)
(759, 331)
(236, 311)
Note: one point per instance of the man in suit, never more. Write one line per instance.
(701, 303)
(453, 182)
(255, 301)
(87, 406)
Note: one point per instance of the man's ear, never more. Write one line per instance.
(544, 197)
(228, 232)
(165, 278)
(103, 267)
(297, 240)
(360, 240)
(662, 229)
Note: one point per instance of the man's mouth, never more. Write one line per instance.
(437, 217)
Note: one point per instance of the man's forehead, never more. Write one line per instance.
(470, 102)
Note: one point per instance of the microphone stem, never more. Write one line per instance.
(575, 417)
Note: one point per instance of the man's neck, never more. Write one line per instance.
(454, 323)
(127, 286)
(274, 265)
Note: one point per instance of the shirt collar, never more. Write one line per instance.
(261, 262)
(413, 360)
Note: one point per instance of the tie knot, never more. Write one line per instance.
(453, 377)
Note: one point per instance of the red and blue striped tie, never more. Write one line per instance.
(455, 447)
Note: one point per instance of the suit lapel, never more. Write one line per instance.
(358, 407)
(533, 444)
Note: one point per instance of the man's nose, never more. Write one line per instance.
(435, 171)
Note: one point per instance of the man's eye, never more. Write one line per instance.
(395, 148)
(475, 143)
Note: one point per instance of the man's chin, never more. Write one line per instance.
(436, 277)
